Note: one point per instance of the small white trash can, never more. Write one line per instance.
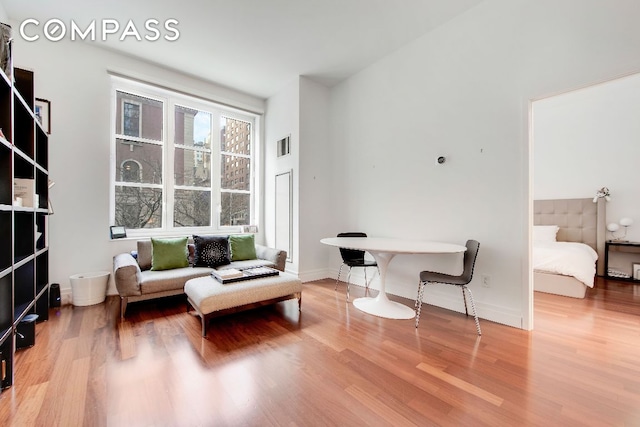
(89, 288)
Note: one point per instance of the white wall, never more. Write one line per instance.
(318, 212)
(463, 91)
(302, 111)
(73, 76)
(282, 118)
(587, 139)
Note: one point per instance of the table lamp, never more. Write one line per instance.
(626, 222)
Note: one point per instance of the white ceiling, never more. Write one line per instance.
(257, 46)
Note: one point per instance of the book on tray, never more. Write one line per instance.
(229, 275)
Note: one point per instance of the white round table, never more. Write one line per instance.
(383, 250)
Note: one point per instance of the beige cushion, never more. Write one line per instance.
(165, 280)
(209, 295)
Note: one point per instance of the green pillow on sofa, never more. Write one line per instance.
(243, 247)
(167, 254)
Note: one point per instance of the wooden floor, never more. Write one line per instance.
(332, 365)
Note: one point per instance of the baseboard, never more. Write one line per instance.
(310, 276)
(65, 296)
(485, 311)
(357, 276)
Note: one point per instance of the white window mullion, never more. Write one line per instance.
(136, 139)
(169, 184)
(215, 169)
(256, 162)
(112, 156)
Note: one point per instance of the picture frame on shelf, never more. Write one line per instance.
(42, 109)
(118, 232)
(636, 271)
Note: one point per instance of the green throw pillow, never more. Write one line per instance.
(169, 253)
(242, 247)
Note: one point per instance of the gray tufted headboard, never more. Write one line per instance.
(580, 220)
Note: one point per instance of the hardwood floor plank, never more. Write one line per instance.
(51, 411)
(386, 413)
(332, 364)
(461, 384)
(75, 393)
(30, 404)
(126, 340)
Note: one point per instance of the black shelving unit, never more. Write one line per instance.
(24, 249)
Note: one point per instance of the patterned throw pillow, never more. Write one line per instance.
(211, 251)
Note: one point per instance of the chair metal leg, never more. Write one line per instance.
(421, 287)
(367, 283)
(464, 298)
(366, 280)
(338, 279)
(473, 306)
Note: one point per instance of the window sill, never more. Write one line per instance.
(147, 234)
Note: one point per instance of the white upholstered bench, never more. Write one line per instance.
(209, 297)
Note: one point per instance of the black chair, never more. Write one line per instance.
(431, 277)
(354, 258)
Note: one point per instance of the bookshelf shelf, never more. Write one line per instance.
(24, 254)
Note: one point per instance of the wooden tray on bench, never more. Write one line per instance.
(247, 274)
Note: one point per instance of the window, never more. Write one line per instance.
(131, 117)
(235, 159)
(130, 171)
(179, 162)
(192, 167)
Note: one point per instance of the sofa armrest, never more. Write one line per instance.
(126, 273)
(276, 256)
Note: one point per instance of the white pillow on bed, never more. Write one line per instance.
(545, 233)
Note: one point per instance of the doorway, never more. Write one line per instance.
(586, 139)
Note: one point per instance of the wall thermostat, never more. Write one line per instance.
(440, 160)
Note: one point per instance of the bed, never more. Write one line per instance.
(568, 264)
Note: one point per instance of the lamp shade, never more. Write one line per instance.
(625, 222)
(613, 227)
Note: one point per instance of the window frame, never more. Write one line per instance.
(170, 100)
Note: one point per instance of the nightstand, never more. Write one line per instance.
(628, 260)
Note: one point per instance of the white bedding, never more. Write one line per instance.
(566, 258)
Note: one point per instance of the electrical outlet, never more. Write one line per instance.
(486, 280)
